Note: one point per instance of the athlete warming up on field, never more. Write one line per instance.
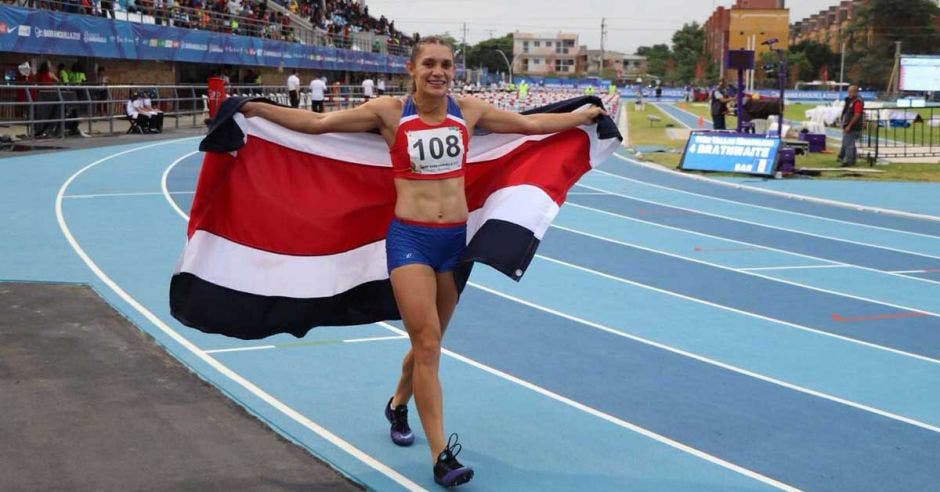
(428, 133)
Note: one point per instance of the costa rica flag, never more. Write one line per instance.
(287, 230)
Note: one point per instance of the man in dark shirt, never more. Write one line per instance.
(851, 121)
(719, 105)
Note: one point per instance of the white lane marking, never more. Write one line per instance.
(798, 267)
(778, 228)
(746, 313)
(831, 263)
(212, 362)
(139, 193)
(241, 349)
(166, 191)
(792, 196)
(763, 207)
(373, 339)
(295, 345)
(716, 265)
(700, 358)
(599, 414)
(585, 193)
(932, 270)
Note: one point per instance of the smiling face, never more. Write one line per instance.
(432, 68)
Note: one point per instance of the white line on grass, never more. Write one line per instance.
(212, 362)
(792, 196)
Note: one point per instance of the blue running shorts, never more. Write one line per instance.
(437, 245)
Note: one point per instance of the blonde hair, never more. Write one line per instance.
(416, 50)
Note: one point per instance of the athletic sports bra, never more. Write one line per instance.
(423, 151)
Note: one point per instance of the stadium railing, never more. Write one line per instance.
(28, 111)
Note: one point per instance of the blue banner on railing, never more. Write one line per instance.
(730, 152)
(55, 33)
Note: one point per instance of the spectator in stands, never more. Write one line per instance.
(293, 88)
(44, 74)
(317, 94)
(77, 75)
(107, 8)
(63, 74)
(719, 105)
(146, 106)
(368, 88)
(131, 109)
(852, 120)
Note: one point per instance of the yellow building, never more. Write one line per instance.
(749, 28)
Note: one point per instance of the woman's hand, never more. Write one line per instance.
(591, 114)
(249, 109)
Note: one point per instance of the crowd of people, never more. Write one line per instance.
(336, 23)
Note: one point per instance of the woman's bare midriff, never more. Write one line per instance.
(432, 200)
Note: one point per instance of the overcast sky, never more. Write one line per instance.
(630, 23)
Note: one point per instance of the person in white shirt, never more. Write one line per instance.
(317, 94)
(368, 88)
(293, 88)
(156, 115)
(380, 86)
(133, 112)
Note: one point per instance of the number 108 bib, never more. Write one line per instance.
(435, 151)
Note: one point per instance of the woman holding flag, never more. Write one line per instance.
(428, 134)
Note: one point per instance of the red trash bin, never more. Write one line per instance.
(216, 94)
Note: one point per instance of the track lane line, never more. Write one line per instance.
(580, 406)
(202, 355)
(793, 231)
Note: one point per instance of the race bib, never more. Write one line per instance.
(435, 151)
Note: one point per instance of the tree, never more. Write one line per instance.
(818, 55)
(877, 26)
(657, 58)
(484, 53)
(688, 50)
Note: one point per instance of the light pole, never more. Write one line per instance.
(841, 69)
(508, 63)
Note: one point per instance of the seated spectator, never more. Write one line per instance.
(146, 107)
(138, 119)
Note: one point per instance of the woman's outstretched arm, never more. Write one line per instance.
(359, 119)
(499, 121)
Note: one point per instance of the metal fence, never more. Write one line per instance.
(901, 132)
(62, 111)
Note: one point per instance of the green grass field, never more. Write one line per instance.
(643, 135)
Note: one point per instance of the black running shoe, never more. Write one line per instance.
(448, 472)
(401, 434)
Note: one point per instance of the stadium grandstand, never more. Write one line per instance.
(71, 66)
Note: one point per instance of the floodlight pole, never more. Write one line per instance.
(841, 69)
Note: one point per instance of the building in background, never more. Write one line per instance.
(746, 25)
(589, 62)
(826, 26)
(545, 54)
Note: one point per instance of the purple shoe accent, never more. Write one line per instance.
(456, 477)
(400, 432)
(448, 472)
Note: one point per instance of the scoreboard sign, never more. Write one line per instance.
(731, 152)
